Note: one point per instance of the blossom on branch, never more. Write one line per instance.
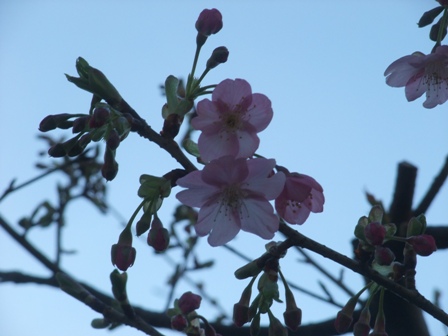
(233, 194)
(301, 195)
(420, 73)
(231, 120)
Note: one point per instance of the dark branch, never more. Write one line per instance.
(433, 190)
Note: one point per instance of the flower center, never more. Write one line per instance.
(232, 201)
(436, 73)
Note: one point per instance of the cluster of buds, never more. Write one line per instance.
(362, 327)
(244, 311)
(104, 123)
(184, 317)
(372, 236)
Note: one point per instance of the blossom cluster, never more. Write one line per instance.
(234, 189)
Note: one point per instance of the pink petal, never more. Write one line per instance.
(260, 112)
(258, 181)
(291, 212)
(261, 220)
(400, 71)
(415, 87)
(225, 171)
(247, 144)
(317, 201)
(207, 114)
(224, 230)
(213, 146)
(198, 192)
(232, 91)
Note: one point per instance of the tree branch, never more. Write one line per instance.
(433, 190)
(297, 239)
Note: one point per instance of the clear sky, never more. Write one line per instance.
(321, 64)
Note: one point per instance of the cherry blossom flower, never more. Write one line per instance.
(300, 196)
(420, 73)
(231, 120)
(233, 194)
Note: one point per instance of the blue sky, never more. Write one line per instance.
(320, 63)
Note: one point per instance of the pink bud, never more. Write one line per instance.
(375, 233)
(123, 256)
(158, 236)
(293, 318)
(384, 256)
(424, 245)
(189, 302)
(240, 314)
(99, 117)
(179, 322)
(209, 22)
(362, 327)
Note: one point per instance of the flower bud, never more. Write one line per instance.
(209, 22)
(344, 317)
(99, 117)
(219, 56)
(113, 140)
(179, 322)
(249, 270)
(424, 245)
(416, 226)
(57, 151)
(53, 121)
(110, 167)
(276, 328)
(293, 315)
(375, 233)
(362, 326)
(429, 16)
(240, 314)
(158, 237)
(384, 256)
(123, 254)
(119, 281)
(80, 124)
(189, 302)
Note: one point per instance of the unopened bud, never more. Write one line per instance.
(80, 124)
(113, 141)
(179, 322)
(189, 302)
(99, 117)
(384, 256)
(424, 245)
(110, 167)
(53, 121)
(158, 237)
(375, 233)
(218, 56)
(209, 22)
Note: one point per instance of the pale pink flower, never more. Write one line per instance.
(420, 73)
(233, 194)
(300, 196)
(231, 120)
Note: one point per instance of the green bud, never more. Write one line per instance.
(416, 226)
(119, 281)
(94, 81)
(100, 323)
(376, 214)
(249, 270)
